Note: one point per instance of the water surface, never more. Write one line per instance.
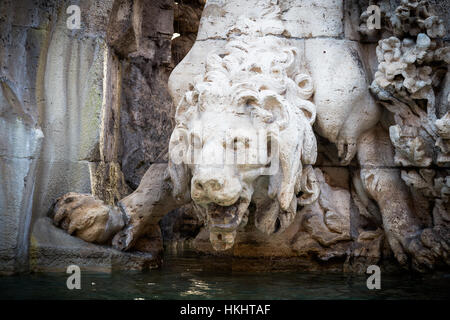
(187, 277)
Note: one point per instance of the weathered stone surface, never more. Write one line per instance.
(70, 114)
(181, 225)
(58, 85)
(145, 118)
(352, 12)
(108, 182)
(22, 37)
(19, 147)
(52, 250)
(135, 25)
(106, 177)
(146, 106)
(121, 35)
(50, 97)
(319, 18)
(144, 48)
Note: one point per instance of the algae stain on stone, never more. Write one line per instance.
(92, 108)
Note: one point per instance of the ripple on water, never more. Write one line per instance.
(188, 278)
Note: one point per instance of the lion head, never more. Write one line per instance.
(247, 119)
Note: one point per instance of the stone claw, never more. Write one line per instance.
(399, 253)
(432, 239)
(346, 151)
(422, 258)
(124, 239)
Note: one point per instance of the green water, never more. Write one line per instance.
(191, 277)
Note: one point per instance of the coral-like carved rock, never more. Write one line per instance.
(443, 142)
(411, 65)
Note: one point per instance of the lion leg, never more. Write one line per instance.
(383, 183)
(146, 206)
(136, 215)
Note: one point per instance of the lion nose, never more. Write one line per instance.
(208, 185)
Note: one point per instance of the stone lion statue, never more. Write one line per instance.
(250, 98)
(251, 95)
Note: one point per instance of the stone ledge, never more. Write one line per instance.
(53, 250)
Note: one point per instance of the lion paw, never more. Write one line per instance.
(429, 249)
(86, 217)
(346, 150)
(422, 259)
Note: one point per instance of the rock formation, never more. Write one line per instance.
(67, 99)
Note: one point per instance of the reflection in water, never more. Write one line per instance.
(198, 288)
(194, 277)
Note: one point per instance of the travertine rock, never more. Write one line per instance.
(70, 106)
(22, 38)
(133, 102)
(52, 250)
(50, 101)
(17, 174)
(140, 32)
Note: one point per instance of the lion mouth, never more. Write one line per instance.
(224, 221)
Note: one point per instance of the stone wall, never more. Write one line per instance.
(50, 105)
(24, 28)
(78, 107)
